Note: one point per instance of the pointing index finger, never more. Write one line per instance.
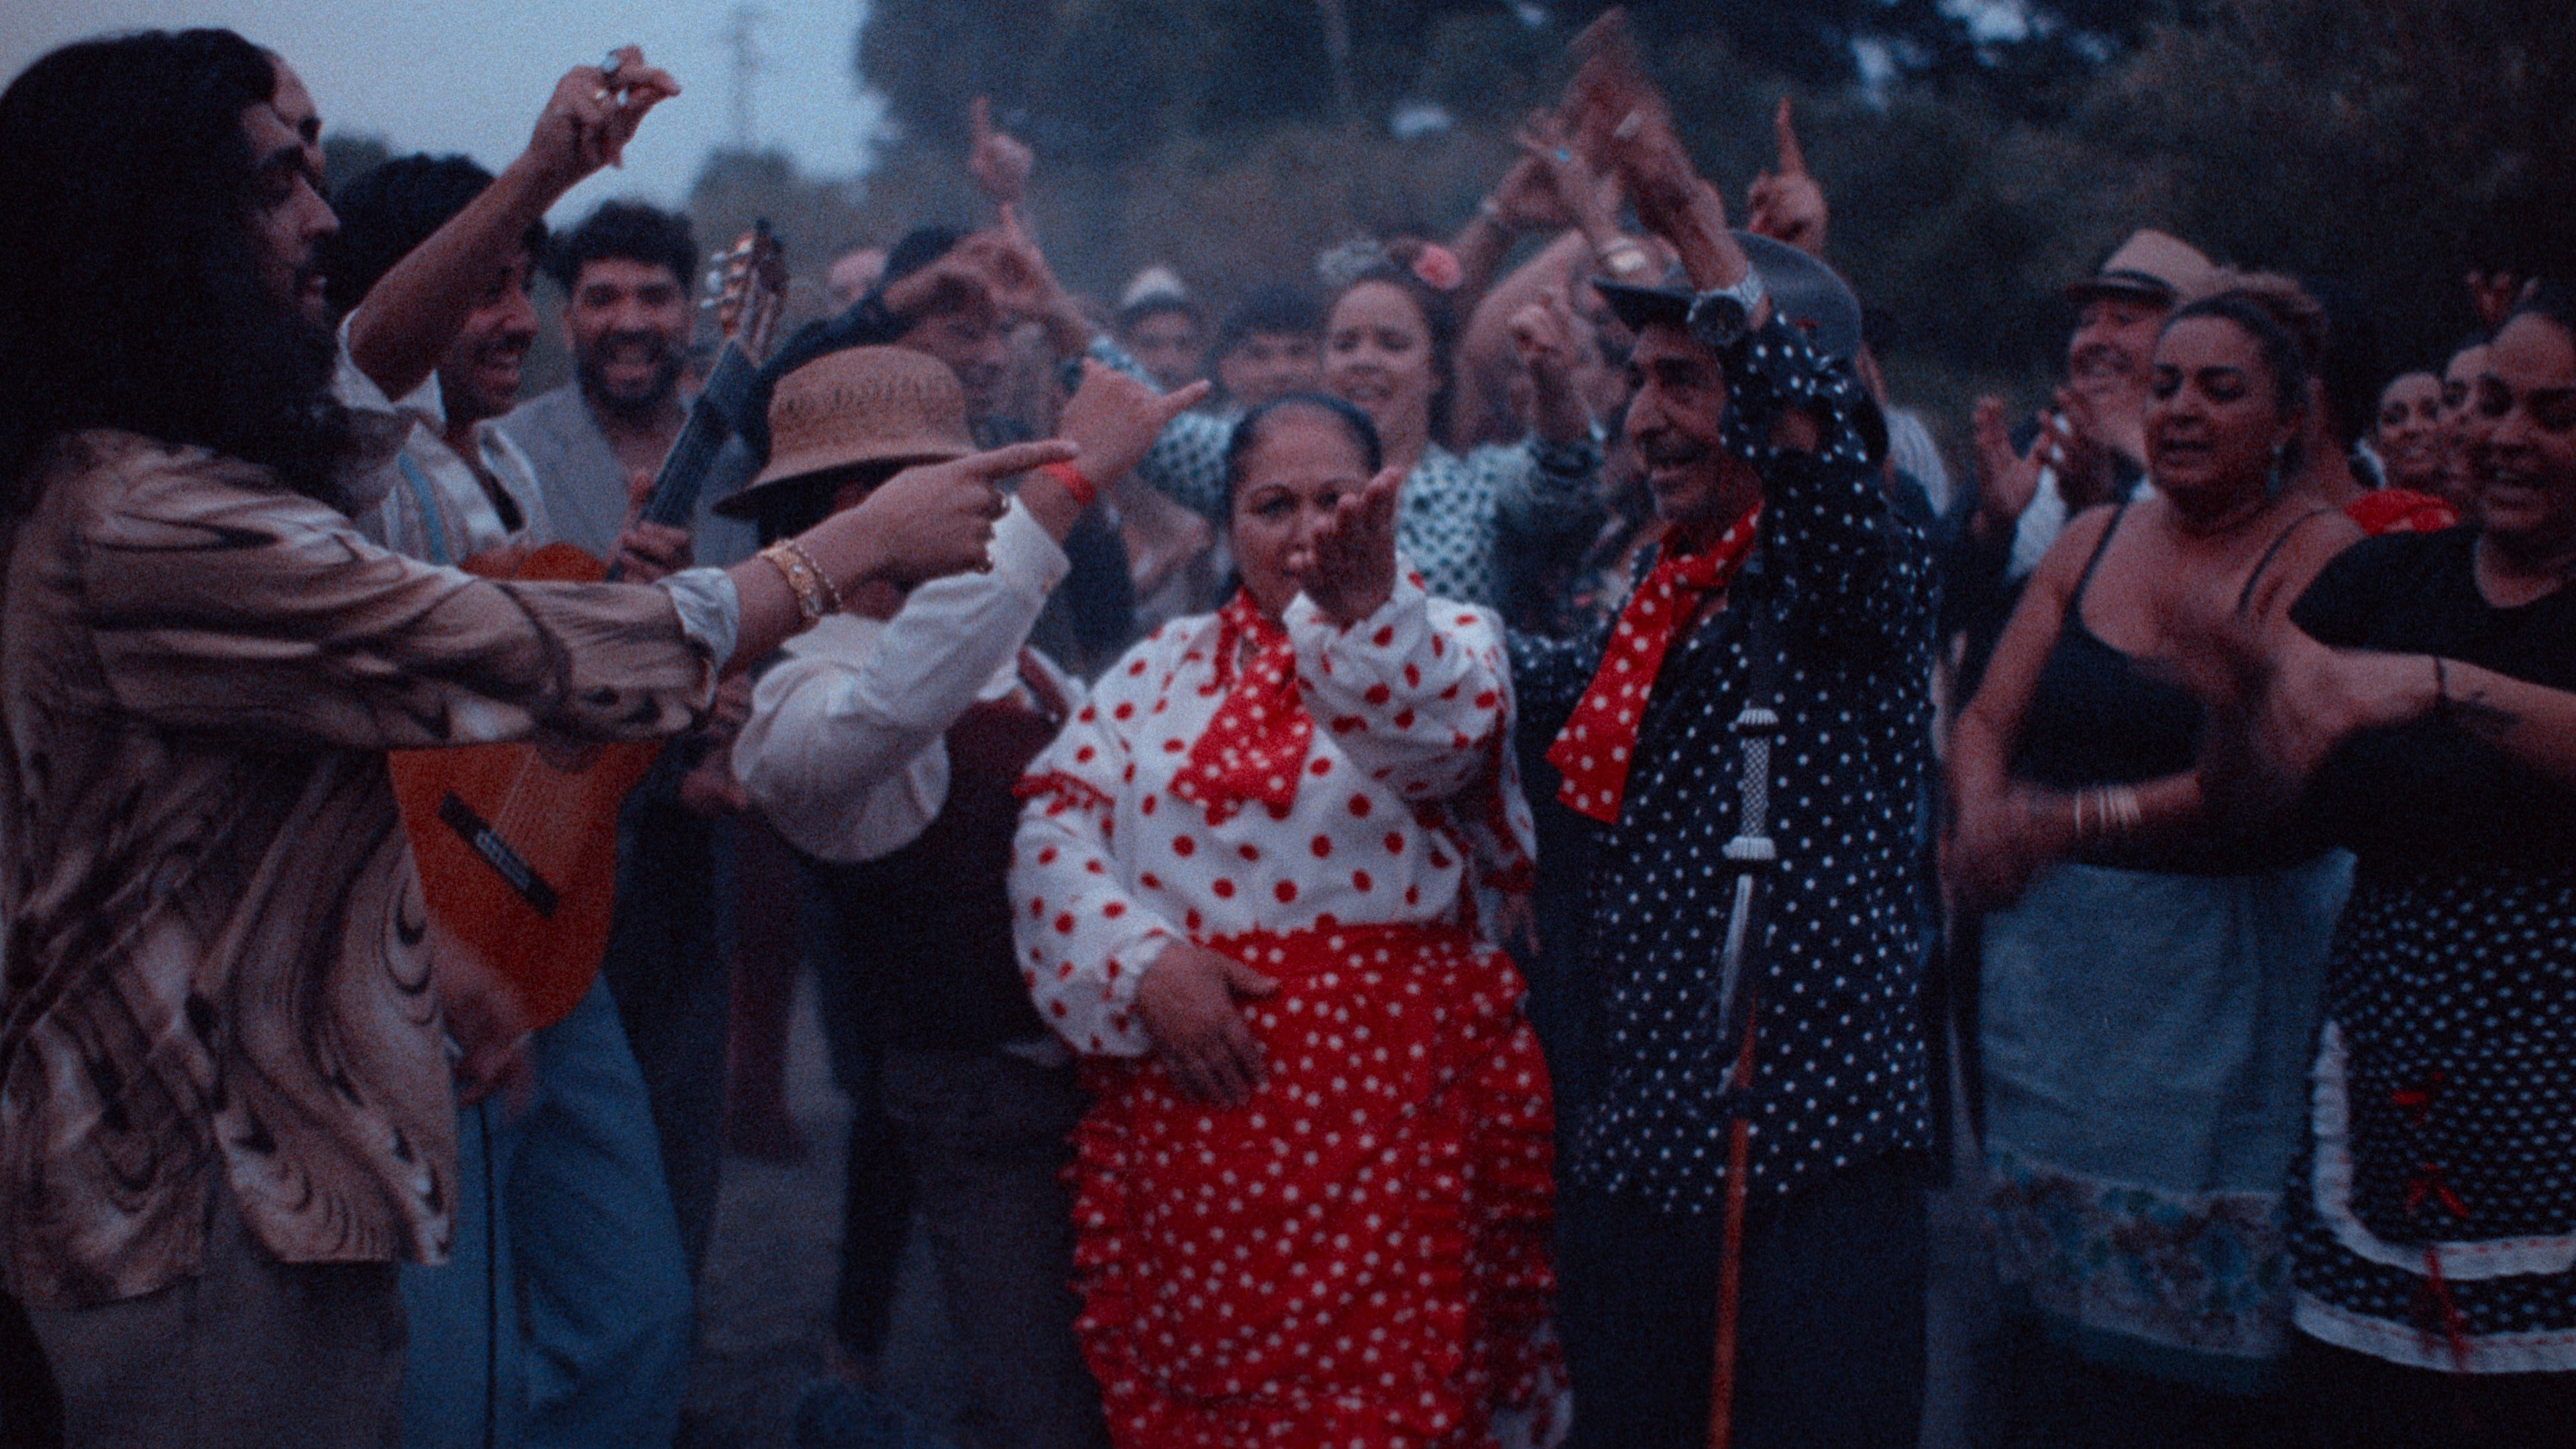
(1181, 400)
(1019, 458)
(1784, 131)
(979, 118)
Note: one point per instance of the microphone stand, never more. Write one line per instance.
(1751, 851)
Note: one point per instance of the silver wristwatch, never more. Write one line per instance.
(1720, 317)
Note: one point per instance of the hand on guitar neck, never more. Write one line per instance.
(648, 551)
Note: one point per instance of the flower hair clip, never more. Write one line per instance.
(1438, 268)
(1429, 263)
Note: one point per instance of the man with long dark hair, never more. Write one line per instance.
(225, 1111)
(139, 234)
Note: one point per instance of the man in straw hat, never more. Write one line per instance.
(885, 745)
(1742, 1219)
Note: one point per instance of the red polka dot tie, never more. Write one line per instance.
(1255, 746)
(1594, 749)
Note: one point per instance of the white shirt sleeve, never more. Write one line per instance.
(842, 752)
(2041, 521)
(709, 607)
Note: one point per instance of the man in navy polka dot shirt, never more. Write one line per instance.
(1759, 449)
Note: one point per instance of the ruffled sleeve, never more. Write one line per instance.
(1083, 938)
(1415, 694)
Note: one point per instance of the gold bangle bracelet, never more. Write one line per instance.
(2118, 809)
(814, 593)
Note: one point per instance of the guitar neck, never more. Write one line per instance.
(703, 436)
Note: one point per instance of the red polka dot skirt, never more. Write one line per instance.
(1357, 1257)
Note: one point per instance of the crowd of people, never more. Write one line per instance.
(1413, 861)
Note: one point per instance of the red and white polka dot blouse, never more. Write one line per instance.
(1406, 779)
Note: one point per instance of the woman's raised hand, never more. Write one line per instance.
(1353, 569)
(1188, 1002)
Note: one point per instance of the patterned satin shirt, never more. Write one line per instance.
(1840, 1066)
(215, 967)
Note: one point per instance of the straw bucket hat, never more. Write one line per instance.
(858, 405)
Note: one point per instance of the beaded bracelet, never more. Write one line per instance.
(814, 593)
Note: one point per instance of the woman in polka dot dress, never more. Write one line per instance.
(1313, 1195)
(2433, 1216)
(1387, 346)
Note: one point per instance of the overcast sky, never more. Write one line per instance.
(470, 75)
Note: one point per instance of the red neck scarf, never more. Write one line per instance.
(1593, 751)
(1255, 747)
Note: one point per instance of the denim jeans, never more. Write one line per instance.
(565, 1317)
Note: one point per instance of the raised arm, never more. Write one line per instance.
(1412, 688)
(407, 321)
(218, 601)
(1852, 573)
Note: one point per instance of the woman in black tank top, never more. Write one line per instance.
(2078, 745)
(2148, 992)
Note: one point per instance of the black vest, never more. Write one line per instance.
(927, 930)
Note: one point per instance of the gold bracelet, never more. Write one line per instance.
(814, 593)
(2120, 809)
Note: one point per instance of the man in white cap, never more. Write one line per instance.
(2088, 448)
(1160, 325)
(886, 749)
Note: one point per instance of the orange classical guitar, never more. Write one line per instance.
(517, 844)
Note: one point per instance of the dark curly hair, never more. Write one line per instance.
(388, 212)
(2285, 354)
(1439, 320)
(1275, 309)
(626, 231)
(133, 296)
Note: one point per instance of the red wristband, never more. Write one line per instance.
(1082, 489)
